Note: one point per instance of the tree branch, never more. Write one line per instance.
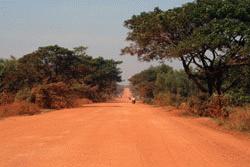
(234, 83)
(192, 76)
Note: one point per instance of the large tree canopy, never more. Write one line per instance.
(55, 64)
(209, 37)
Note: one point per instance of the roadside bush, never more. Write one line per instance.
(148, 101)
(23, 95)
(165, 99)
(238, 98)
(6, 98)
(53, 96)
(19, 108)
(203, 105)
(93, 93)
(218, 106)
(197, 104)
(80, 90)
(239, 119)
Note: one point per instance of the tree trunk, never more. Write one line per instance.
(192, 77)
(210, 87)
(218, 87)
(218, 83)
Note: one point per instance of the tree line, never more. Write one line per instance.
(211, 38)
(53, 76)
(162, 83)
(166, 86)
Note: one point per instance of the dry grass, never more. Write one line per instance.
(239, 119)
(6, 98)
(18, 108)
(166, 99)
(25, 108)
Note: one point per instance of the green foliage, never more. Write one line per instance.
(53, 64)
(83, 75)
(238, 98)
(103, 77)
(162, 83)
(168, 99)
(175, 82)
(143, 83)
(239, 94)
(9, 75)
(210, 37)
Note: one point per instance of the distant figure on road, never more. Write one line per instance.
(133, 100)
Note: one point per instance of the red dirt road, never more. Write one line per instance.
(117, 135)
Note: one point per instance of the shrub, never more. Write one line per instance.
(6, 98)
(218, 106)
(214, 106)
(162, 84)
(19, 108)
(168, 98)
(147, 100)
(198, 104)
(81, 90)
(53, 96)
(24, 95)
(238, 98)
(239, 119)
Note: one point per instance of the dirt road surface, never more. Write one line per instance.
(117, 135)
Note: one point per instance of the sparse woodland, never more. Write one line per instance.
(54, 77)
(211, 38)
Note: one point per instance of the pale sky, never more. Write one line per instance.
(27, 24)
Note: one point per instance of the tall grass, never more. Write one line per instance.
(239, 119)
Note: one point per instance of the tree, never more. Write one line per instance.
(51, 65)
(240, 94)
(9, 75)
(209, 37)
(162, 80)
(103, 76)
(149, 82)
(143, 83)
(175, 82)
